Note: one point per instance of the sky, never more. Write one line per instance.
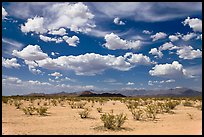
(54, 47)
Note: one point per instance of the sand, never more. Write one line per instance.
(66, 121)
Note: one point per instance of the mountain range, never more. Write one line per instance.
(183, 92)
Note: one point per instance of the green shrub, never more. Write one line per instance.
(5, 100)
(137, 114)
(99, 109)
(85, 113)
(17, 104)
(120, 120)
(188, 104)
(151, 111)
(112, 121)
(42, 111)
(29, 110)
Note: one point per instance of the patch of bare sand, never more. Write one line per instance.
(66, 121)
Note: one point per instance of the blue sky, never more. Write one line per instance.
(54, 47)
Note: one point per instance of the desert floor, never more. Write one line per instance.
(66, 121)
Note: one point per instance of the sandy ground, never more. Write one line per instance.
(66, 121)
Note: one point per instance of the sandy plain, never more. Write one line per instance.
(63, 120)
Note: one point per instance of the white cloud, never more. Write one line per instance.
(30, 53)
(146, 32)
(35, 24)
(117, 21)
(189, 36)
(187, 52)
(145, 11)
(167, 70)
(4, 13)
(56, 74)
(138, 59)
(72, 41)
(16, 86)
(194, 23)
(114, 42)
(130, 83)
(87, 64)
(11, 80)
(175, 37)
(151, 83)
(8, 45)
(58, 16)
(157, 36)
(170, 81)
(167, 46)
(199, 37)
(54, 53)
(32, 67)
(156, 52)
(10, 63)
(60, 32)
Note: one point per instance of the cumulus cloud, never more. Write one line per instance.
(30, 53)
(167, 46)
(54, 53)
(187, 52)
(151, 83)
(194, 23)
(167, 70)
(35, 24)
(72, 41)
(58, 16)
(175, 37)
(117, 21)
(138, 59)
(86, 64)
(157, 36)
(4, 13)
(60, 32)
(130, 83)
(189, 36)
(156, 52)
(114, 42)
(10, 63)
(56, 75)
(146, 32)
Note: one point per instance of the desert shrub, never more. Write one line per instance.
(45, 104)
(38, 103)
(112, 121)
(17, 104)
(172, 104)
(81, 104)
(54, 102)
(151, 111)
(29, 110)
(42, 111)
(62, 104)
(132, 104)
(108, 120)
(99, 109)
(113, 103)
(5, 100)
(199, 107)
(120, 120)
(137, 114)
(188, 104)
(84, 113)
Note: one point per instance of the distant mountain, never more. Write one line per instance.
(167, 92)
(184, 92)
(91, 94)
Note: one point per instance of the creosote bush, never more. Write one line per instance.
(42, 111)
(99, 109)
(112, 121)
(84, 113)
(137, 114)
(29, 110)
(17, 104)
